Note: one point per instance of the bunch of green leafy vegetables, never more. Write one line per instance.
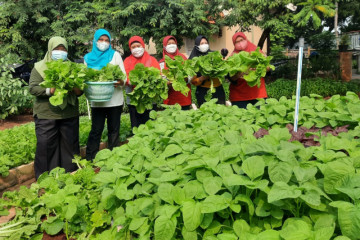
(109, 73)
(150, 87)
(211, 65)
(201, 175)
(63, 76)
(254, 66)
(177, 72)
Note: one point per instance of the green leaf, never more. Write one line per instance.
(334, 174)
(214, 203)
(136, 223)
(304, 174)
(212, 185)
(165, 192)
(164, 228)
(188, 235)
(348, 218)
(295, 229)
(280, 171)
(281, 190)
(254, 167)
(52, 227)
(192, 215)
(268, 235)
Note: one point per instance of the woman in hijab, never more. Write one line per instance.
(56, 127)
(241, 94)
(203, 83)
(100, 55)
(138, 55)
(170, 49)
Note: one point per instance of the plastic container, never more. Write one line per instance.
(99, 91)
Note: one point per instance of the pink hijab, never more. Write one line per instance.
(250, 46)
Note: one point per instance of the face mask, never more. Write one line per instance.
(171, 48)
(138, 52)
(58, 54)
(203, 48)
(241, 45)
(102, 46)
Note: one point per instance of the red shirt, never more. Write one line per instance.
(177, 97)
(242, 92)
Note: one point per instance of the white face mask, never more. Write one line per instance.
(203, 48)
(102, 46)
(138, 52)
(171, 48)
(58, 54)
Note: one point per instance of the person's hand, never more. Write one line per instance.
(77, 91)
(52, 90)
(119, 83)
(237, 76)
(203, 78)
(196, 81)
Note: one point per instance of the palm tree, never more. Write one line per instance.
(312, 9)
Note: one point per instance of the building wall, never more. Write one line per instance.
(217, 42)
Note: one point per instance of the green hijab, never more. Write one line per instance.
(53, 43)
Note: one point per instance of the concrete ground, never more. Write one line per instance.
(355, 76)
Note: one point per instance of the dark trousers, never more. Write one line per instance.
(113, 116)
(136, 118)
(243, 104)
(202, 91)
(185, 107)
(57, 143)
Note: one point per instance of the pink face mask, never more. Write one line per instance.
(240, 46)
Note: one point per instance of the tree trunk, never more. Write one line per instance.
(264, 36)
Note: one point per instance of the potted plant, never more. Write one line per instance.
(344, 43)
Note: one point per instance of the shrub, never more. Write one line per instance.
(14, 94)
(320, 86)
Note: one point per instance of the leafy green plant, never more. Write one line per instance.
(344, 40)
(324, 87)
(109, 73)
(200, 175)
(178, 72)
(254, 66)
(14, 94)
(324, 41)
(63, 76)
(150, 87)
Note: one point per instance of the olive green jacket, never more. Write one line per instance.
(42, 107)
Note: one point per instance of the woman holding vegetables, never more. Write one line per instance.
(100, 55)
(203, 83)
(56, 127)
(138, 55)
(170, 49)
(241, 94)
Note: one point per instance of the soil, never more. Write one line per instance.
(16, 120)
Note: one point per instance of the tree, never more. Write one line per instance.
(348, 16)
(277, 21)
(26, 26)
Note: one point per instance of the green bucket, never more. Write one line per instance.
(99, 91)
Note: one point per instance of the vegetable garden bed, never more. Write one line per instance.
(19, 151)
(208, 174)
